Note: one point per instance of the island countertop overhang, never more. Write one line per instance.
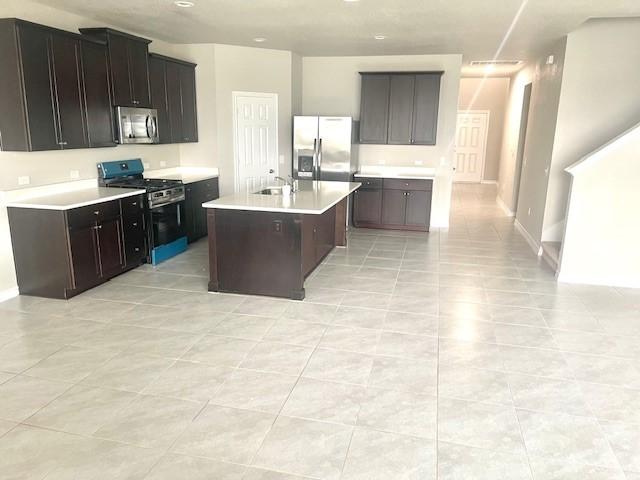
(312, 198)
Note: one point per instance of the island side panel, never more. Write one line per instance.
(259, 253)
(341, 223)
(213, 252)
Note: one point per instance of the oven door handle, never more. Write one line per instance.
(170, 202)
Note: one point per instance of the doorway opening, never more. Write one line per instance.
(255, 139)
(522, 137)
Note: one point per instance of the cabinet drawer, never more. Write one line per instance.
(210, 189)
(369, 183)
(132, 206)
(398, 184)
(81, 216)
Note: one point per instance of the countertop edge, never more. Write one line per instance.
(396, 176)
(41, 206)
(279, 209)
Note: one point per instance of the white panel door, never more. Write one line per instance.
(471, 144)
(256, 140)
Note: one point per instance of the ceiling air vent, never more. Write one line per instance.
(497, 63)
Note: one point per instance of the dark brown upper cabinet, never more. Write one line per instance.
(128, 66)
(158, 84)
(425, 108)
(374, 108)
(42, 100)
(173, 93)
(99, 112)
(399, 108)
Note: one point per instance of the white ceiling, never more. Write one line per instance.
(475, 28)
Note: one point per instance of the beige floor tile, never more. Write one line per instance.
(172, 466)
(339, 366)
(215, 350)
(305, 447)
(129, 372)
(463, 462)
(326, 401)
(252, 390)
(225, 434)
(150, 421)
(81, 409)
(71, 364)
(377, 455)
(23, 396)
(189, 381)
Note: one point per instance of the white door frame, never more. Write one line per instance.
(234, 104)
(486, 137)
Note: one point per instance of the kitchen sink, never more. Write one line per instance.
(270, 191)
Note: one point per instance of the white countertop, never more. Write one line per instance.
(185, 174)
(75, 198)
(413, 173)
(311, 198)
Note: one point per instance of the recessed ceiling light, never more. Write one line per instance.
(379, 37)
(351, 1)
(259, 39)
(183, 3)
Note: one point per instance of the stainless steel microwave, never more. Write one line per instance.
(137, 125)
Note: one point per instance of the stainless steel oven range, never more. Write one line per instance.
(164, 209)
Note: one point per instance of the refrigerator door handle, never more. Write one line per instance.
(319, 160)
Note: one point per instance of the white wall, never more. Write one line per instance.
(331, 86)
(487, 94)
(543, 112)
(602, 234)
(599, 100)
(250, 70)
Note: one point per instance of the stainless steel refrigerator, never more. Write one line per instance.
(323, 148)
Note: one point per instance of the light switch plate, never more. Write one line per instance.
(24, 180)
(281, 159)
(74, 174)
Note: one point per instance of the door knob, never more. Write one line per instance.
(271, 170)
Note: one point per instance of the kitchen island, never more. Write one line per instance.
(267, 244)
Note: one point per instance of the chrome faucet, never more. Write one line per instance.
(288, 181)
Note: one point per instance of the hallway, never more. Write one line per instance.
(449, 355)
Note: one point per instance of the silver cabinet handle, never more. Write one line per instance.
(96, 212)
(62, 143)
(135, 224)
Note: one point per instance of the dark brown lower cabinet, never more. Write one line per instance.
(270, 253)
(85, 246)
(196, 194)
(393, 204)
(393, 207)
(318, 238)
(367, 206)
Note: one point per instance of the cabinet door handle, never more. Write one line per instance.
(96, 212)
(135, 224)
(62, 143)
(134, 204)
(137, 249)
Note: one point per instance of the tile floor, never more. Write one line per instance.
(452, 355)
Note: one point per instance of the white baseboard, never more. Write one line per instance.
(9, 293)
(489, 182)
(603, 281)
(532, 243)
(504, 207)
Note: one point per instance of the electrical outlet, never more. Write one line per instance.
(281, 159)
(24, 180)
(146, 165)
(74, 174)
(163, 163)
